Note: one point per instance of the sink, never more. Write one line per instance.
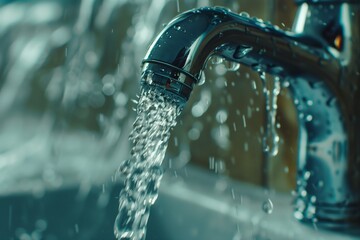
(198, 205)
(193, 204)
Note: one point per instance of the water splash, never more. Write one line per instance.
(151, 131)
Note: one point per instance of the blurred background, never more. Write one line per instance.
(69, 75)
(69, 71)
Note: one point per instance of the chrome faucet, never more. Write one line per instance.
(319, 59)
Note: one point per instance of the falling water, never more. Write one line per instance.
(271, 138)
(268, 206)
(156, 115)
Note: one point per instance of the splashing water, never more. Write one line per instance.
(156, 115)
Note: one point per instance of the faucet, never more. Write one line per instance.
(319, 59)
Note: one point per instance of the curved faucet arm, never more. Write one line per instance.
(181, 50)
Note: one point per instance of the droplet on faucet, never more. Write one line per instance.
(244, 14)
(241, 51)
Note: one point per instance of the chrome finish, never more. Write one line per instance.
(319, 59)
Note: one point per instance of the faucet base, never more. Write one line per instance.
(327, 195)
(335, 217)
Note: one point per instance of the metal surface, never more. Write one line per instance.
(320, 60)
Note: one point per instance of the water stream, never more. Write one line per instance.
(156, 116)
(271, 90)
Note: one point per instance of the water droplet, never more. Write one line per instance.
(276, 92)
(108, 89)
(309, 118)
(216, 59)
(177, 27)
(309, 102)
(244, 121)
(201, 78)
(178, 6)
(277, 28)
(303, 193)
(211, 163)
(194, 134)
(241, 51)
(285, 84)
(220, 69)
(231, 66)
(220, 167)
(221, 116)
(259, 67)
(310, 211)
(276, 70)
(246, 147)
(216, 20)
(253, 84)
(268, 206)
(149, 78)
(41, 225)
(200, 107)
(244, 14)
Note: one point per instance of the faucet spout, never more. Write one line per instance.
(328, 164)
(181, 50)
